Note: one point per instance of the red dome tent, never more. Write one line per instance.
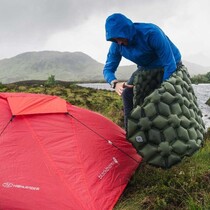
(56, 156)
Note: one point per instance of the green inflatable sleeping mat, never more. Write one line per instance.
(166, 123)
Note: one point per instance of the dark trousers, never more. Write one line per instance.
(127, 97)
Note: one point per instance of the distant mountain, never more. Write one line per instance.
(195, 69)
(40, 65)
(66, 66)
(199, 58)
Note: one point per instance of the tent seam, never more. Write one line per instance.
(49, 159)
(86, 185)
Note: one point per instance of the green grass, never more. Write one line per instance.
(185, 186)
(105, 102)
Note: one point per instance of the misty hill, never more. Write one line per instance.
(195, 69)
(40, 65)
(66, 66)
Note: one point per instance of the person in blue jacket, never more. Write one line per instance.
(145, 44)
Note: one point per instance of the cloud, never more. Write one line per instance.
(188, 29)
(78, 25)
(22, 19)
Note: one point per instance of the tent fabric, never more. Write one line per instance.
(77, 160)
(166, 123)
(22, 105)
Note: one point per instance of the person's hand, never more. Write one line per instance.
(120, 87)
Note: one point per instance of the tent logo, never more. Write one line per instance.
(11, 185)
(108, 168)
(7, 185)
(115, 160)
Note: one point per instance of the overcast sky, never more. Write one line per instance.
(78, 25)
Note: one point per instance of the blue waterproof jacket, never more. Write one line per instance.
(148, 47)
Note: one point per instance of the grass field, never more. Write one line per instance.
(185, 186)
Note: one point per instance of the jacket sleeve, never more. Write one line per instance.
(112, 62)
(160, 43)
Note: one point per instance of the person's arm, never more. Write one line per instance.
(160, 43)
(112, 63)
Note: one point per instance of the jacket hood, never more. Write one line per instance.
(119, 26)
